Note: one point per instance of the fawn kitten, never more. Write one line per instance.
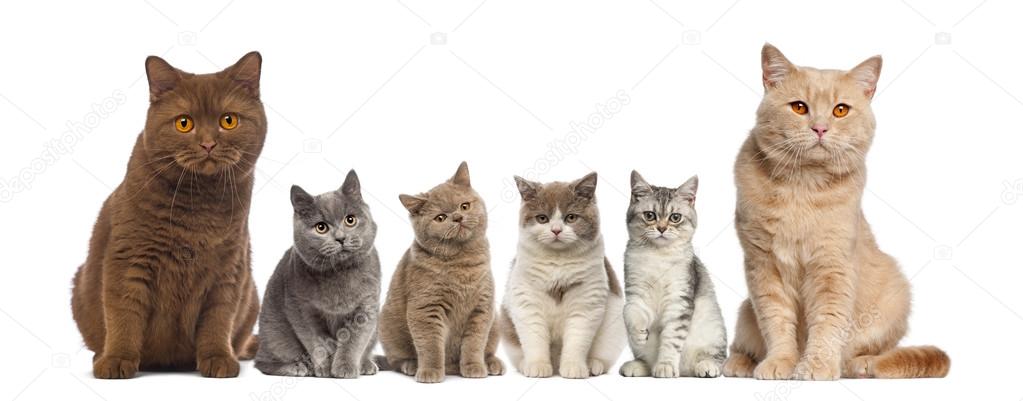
(824, 301)
(320, 309)
(438, 318)
(562, 309)
(167, 284)
(671, 313)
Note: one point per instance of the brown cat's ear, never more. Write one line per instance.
(640, 188)
(585, 187)
(351, 186)
(246, 71)
(301, 201)
(461, 176)
(527, 189)
(162, 77)
(688, 189)
(412, 203)
(866, 75)
(775, 66)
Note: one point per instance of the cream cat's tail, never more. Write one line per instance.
(907, 363)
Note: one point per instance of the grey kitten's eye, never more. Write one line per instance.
(542, 218)
(571, 218)
(465, 206)
(675, 217)
(649, 216)
(440, 218)
(350, 220)
(321, 227)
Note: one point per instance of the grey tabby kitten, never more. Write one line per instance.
(320, 310)
(672, 316)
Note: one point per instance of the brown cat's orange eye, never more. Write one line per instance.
(799, 108)
(841, 110)
(228, 121)
(184, 123)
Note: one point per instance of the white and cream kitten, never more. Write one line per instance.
(563, 305)
(672, 316)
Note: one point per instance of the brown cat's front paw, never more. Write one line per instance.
(816, 369)
(775, 368)
(106, 367)
(408, 367)
(494, 366)
(219, 367)
(429, 375)
(473, 370)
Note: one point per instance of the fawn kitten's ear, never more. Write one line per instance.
(461, 176)
(301, 201)
(775, 66)
(688, 189)
(866, 75)
(351, 186)
(246, 72)
(585, 187)
(640, 188)
(162, 77)
(527, 189)
(412, 203)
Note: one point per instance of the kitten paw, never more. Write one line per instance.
(494, 366)
(321, 370)
(473, 370)
(775, 368)
(666, 370)
(219, 367)
(815, 369)
(574, 370)
(106, 367)
(537, 369)
(344, 371)
(739, 365)
(859, 367)
(296, 369)
(368, 368)
(707, 368)
(636, 368)
(639, 337)
(429, 375)
(597, 367)
(408, 367)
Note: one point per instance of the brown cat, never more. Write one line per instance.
(439, 314)
(167, 283)
(825, 301)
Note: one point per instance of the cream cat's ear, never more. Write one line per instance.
(688, 189)
(585, 187)
(640, 188)
(461, 176)
(775, 66)
(412, 203)
(245, 72)
(351, 186)
(527, 188)
(162, 77)
(866, 75)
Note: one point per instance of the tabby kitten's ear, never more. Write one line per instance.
(412, 202)
(246, 72)
(461, 176)
(640, 188)
(688, 189)
(585, 187)
(302, 201)
(866, 75)
(162, 77)
(527, 188)
(775, 66)
(351, 186)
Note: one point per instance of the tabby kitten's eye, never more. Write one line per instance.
(184, 123)
(440, 218)
(228, 121)
(675, 217)
(841, 110)
(321, 227)
(542, 218)
(570, 218)
(350, 220)
(465, 206)
(799, 108)
(649, 216)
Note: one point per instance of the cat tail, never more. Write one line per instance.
(248, 351)
(909, 362)
(382, 363)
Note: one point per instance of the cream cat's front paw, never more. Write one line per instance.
(667, 369)
(775, 368)
(816, 369)
(574, 370)
(537, 369)
(635, 368)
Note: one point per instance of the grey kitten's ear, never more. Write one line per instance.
(301, 201)
(412, 203)
(245, 72)
(867, 74)
(527, 189)
(585, 187)
(162, 77)
(461, 176)
(351, 186)
(688, 189)
(640, 188)
(775, 66)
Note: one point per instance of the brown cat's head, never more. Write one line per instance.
(559, 215)
(206, 123)
(450, 213)
(812, 117)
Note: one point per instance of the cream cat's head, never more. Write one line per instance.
(815, 118)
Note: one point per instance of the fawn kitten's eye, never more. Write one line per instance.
(542, 218)
(350, 220)
(465, 206)
(184, 123)
(799, 108)
(675, 217)
(649, 216)
(440, 218)
(570, 218)
(228, 121)
(321, 227)
(841, 110)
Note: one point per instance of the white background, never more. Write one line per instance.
(359, 84)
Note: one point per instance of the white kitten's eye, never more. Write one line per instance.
(440, 218)
(571, 218)
(350, 220)
(321, 227)
(649, 216)
(799, 107)
(675, 217)
(542, 218)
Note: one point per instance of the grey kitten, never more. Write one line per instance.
(671, 313)
(320, 310)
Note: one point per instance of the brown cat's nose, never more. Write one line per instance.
(208, 146)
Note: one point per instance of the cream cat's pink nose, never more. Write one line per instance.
(820, 129)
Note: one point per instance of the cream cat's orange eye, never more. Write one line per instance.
(184, 123)
(321, 228)
(841, 110)
(228, 121)
(465, 206)
(799, 108)
(350, 220)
